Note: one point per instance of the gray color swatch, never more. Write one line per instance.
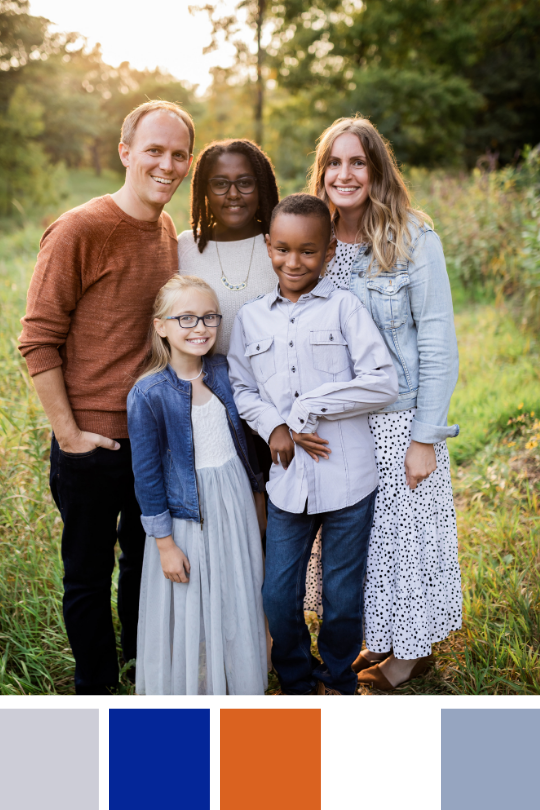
(490, 758)
(49, 759)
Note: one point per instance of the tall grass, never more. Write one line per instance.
(496, 469)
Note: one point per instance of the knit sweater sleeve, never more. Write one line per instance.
(68, 252)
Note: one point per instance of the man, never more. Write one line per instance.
(84, 335)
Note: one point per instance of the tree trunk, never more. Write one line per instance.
(260, 84)
(95, 157)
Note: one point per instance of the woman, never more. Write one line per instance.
(390, 257)
(233, 194)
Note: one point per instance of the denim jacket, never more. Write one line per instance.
(161, 434)
(412, 307)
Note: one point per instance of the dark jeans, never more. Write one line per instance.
(289, 538)
(91, 491)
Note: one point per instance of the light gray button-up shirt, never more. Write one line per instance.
(320, 365)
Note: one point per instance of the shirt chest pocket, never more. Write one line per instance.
(389, 298)
(329, 351)
(262, 358)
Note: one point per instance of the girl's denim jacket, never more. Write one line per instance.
(412, 307)
(161, 434)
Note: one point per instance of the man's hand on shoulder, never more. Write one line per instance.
(84, 442)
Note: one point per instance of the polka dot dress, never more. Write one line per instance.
(339, 269)
(412, 595)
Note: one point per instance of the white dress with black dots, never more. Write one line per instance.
(412, 595)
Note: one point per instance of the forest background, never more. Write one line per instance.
(455, 87)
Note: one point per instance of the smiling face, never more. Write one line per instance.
(233, 212)
(346, 178)
(157, 161)
(298, 247)
(188, 344)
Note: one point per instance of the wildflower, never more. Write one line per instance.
(520, 406)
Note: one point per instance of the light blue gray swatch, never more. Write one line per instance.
(490, 759)
(49, 759)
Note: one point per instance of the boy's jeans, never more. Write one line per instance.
(289, 538)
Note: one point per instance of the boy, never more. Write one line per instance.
(307, 366)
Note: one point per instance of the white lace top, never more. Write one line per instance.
(212, 438)
(339, 269)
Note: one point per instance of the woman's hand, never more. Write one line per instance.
(420, 462)
(260, 508)
(174, 562)
(281, 445)
(312, 444)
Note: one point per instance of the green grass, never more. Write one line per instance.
(496, 470)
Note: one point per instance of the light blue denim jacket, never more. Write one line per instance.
(412, 308)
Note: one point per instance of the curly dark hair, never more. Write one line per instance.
(202, 219)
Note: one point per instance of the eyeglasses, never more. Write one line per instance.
(212, 320)
(245, 185)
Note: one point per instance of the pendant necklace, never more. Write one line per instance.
(225, 281)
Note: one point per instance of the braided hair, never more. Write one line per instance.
(202, 219)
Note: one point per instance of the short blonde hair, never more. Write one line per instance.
(159, 354)
(132, 120)
(385, 223)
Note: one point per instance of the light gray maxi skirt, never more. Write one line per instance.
(207, 636)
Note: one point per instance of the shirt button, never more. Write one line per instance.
(257, 348)
(301, 421)
(292, 320)
(293, 369)
(323, 410)
(331, 337)
(296, 394)
(291, 343)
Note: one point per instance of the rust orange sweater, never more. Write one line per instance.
(90, 303)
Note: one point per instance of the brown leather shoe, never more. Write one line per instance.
(322, 689)
(363, 663)
(376, 678)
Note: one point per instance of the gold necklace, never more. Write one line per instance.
(225, 281)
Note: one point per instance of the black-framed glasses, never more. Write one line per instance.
(212, 320)
(221, 186)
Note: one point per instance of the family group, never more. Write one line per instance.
(256, 410)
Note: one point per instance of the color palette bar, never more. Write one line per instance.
(270, 758)
(159, 758)
(489, 758)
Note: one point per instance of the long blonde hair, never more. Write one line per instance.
(159, 354)
(385, 222)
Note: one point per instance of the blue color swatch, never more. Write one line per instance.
(159, 758)
(490, 758)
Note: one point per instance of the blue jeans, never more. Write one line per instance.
(289, 538)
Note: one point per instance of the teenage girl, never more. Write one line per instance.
(233, 194)
(389, 255)
(201, 622)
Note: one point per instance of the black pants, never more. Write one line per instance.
(91, 491)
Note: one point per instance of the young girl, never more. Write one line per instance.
(201, 622)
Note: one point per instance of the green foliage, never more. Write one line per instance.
(26, 178)
(415, 67)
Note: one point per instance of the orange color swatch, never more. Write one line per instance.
(270, 758)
